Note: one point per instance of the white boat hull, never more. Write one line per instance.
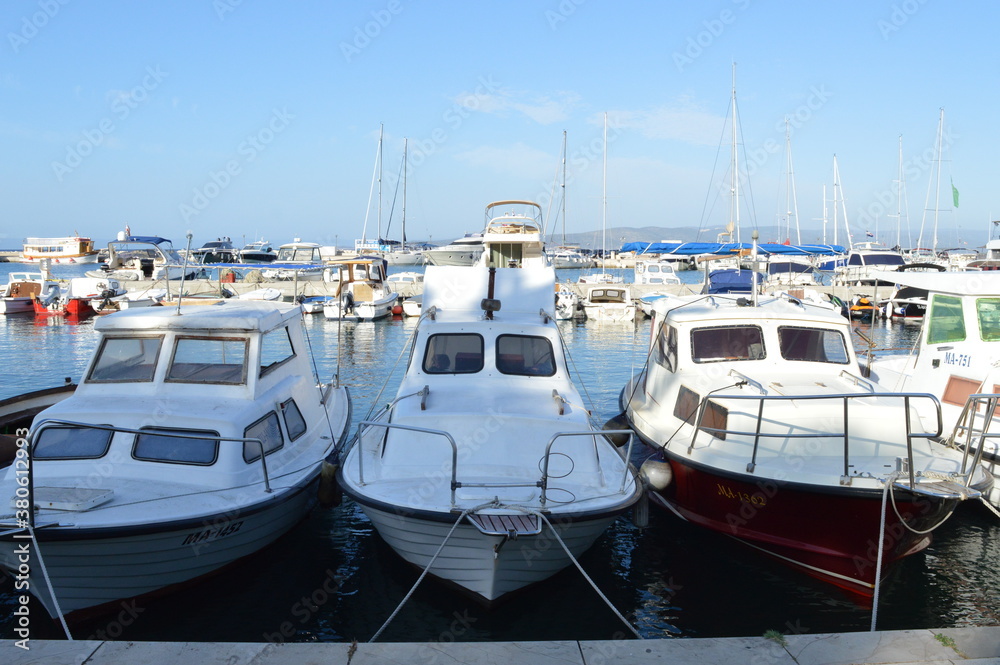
(362, 311)
(468, 558)
(16, 305)
(452, 258)
(90, 571)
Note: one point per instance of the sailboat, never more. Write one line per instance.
(607, 299)
(565, 255)
(403, 254)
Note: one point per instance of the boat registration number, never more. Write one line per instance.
(212, 534)
(755, 499)
(957, 359)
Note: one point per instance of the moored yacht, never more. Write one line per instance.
(761, 427)
(463, 251)
(486, 462)
(362, 291)
(142, 257)
(196, 437)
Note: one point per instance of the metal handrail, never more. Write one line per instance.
(49, 424)
(544, 482)
(846, 399)
(409, 428)
(969, 411)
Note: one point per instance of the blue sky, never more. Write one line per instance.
(252, 118)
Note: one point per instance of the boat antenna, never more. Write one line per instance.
(180, 289)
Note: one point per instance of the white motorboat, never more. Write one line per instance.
(362, 292)
(258, 251)
(463, 251)
(220, 250)
(569, 257)
(296, 261)
(657, 271)
(956, 356)
(22, 288)
(115, 301)
(486, 462)
(200, 435)
(142, 257)
(761, 427)
(863, 261)
(568, 304)
(785, 270)
(610, 303)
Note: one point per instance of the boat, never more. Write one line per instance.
(220, 250)
(794, 453)
(77, 298)
(142, 258)
(955, 357)
(72, 249)
(258, 251)
(362, 292)
(17, 412)
(908, 302)
(297, 260)
(486, 465)
(111, 301)
(565, 256)
(732, 280)
(463, 251)
(201, 434)
(18, 294)
(609, 303)
(863, 261)
(568, 304)
(656, 271)
(312, 304)
(785, 270)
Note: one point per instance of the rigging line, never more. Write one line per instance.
(715, 166)
(319, 383)
(406, 345)
(752, 205)
(392, 207)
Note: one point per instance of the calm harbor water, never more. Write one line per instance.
(333, 579)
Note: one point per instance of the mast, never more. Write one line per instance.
(791, 201)
(937, 193)
(836, 187)
(403, 247)
(604, 199)
(378, 238)
(734, 211)
(564, 189)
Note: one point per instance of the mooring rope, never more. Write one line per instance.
(989, 505)
(881, 548)
(48, 582)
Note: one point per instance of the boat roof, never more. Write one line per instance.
(971, 283)
(463, 288)
(726, 310)
(231, 315)
(299, 244)
(155, 240)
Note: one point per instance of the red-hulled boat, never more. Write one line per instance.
(796, 454)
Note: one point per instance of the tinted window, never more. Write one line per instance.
(525, 355)
(159, 444)
(727, 343)
(268, 431)
(813, 344)
(988, 310)
(460, 353)
(946, 322)
(295, 424)
(209, 360)
(72, 443)
(275, 348)
(126, 359)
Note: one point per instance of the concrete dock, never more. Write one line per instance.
(978, 646)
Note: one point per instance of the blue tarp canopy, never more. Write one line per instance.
(696, 248)
(156, 240)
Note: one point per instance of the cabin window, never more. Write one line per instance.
(159, 444)
(988, 311)
(209, 360)
(275, 349)
(714, 419)
(125, 359)
(525, 355)
(946, 323)
(665, 353)
(72, 443)
(812, 344)
(295, 424)
(460, 353)
(268, 431)
(727, 343)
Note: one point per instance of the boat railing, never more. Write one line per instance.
(51, 424)
(371, 424)
(975, 435)
(845, 399)
(544, 482)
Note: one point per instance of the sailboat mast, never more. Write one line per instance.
(604, 199)
(378, 238)
(734, 215)
(791, 201)
(899, 197)
(564, 189)
(403, 247)
(836, 186)
(937, 193)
